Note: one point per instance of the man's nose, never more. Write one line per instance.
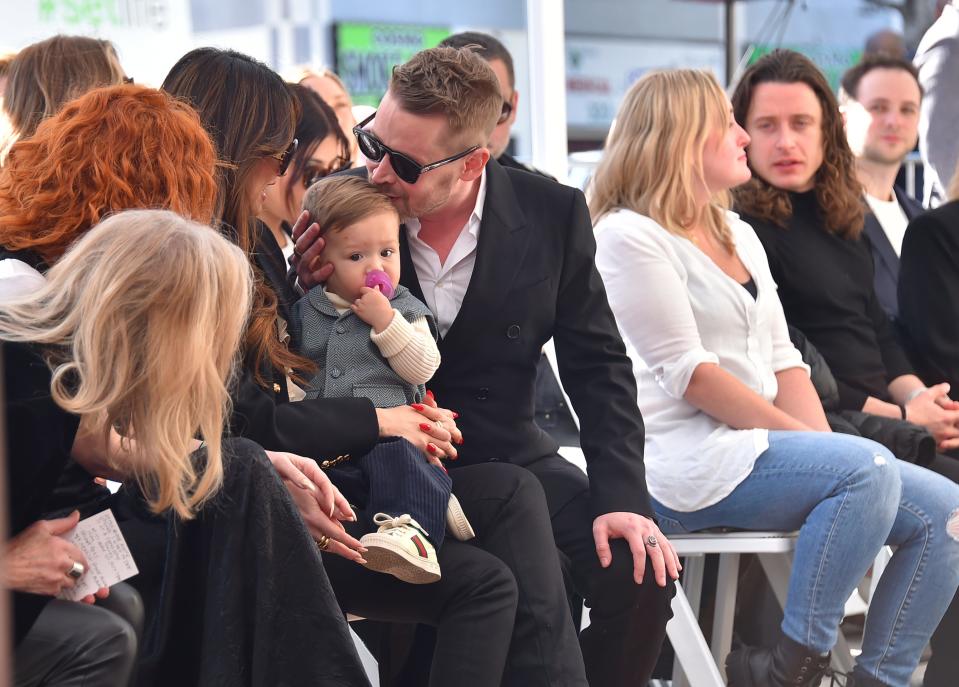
(381, 172)
(785, 140)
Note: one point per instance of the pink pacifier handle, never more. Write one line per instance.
(381, 279)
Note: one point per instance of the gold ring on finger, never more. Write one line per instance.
(323, 543)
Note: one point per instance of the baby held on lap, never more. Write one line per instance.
(370, 337)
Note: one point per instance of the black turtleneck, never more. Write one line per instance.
(826, 288)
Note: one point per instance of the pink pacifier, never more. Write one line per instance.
(379, 278)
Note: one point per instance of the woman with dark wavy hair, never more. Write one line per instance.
(805, 204)
(322, 149)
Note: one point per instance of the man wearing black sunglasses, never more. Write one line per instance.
(505, 261)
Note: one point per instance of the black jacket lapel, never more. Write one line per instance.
(881, 245)
(503, 241)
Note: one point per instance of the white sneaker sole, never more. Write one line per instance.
(383, 556)
(456, 521)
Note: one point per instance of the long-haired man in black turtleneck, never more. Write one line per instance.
(805, 202)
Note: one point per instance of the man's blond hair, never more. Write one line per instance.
(455, 83)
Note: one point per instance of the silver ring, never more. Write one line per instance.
(652, 541)
(76, 570)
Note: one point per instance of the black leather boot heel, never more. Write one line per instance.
(788, 664)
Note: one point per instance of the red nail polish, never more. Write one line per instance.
(458, 442)
(444, 470)
(425, 427)
(430, 394)
(417, 406)
(455, 415)
(431, 448)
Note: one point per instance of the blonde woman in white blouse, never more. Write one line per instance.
(735, 434)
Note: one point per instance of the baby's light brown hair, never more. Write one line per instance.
(338, 202)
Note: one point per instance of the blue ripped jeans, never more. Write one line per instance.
(848, 497)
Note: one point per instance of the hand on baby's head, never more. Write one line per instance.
(374, 308)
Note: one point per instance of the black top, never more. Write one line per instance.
(826, 288)
(39, 439)
(39, 434)
(928, 291)
(751, 288)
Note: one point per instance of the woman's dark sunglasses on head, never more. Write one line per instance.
(406, 168)
(312, 172)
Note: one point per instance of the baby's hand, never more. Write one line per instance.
(373, 308)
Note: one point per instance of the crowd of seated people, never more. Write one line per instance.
(744, 307)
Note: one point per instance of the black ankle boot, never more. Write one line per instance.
(788, 664)
(859, 679)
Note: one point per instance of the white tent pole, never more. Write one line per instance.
(545, 26)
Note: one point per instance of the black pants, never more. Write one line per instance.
(500, 609)
(627, 621)
(72, 643)
(396, 480)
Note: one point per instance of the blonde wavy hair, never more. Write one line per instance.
(653, 158)
(140, 322)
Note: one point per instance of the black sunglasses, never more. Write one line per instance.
(285, 158)
(312, 173)
(406, 168)
(505, 112)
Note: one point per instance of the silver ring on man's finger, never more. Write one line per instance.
(652, 541)
(76, 570)
(296, 252)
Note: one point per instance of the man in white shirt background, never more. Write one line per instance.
(880, 100)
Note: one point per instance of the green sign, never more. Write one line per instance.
(367, 53)
(97, 13)
(833, 60)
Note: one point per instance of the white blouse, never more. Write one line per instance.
(677, 309)
(18, 279)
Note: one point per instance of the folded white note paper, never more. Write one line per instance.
(107, 553)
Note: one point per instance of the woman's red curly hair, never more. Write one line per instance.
(112, 149)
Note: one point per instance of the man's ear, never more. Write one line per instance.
(515, 103)
(475, 163)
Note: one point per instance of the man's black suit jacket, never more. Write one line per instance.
(535, 279)
(884, 256)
